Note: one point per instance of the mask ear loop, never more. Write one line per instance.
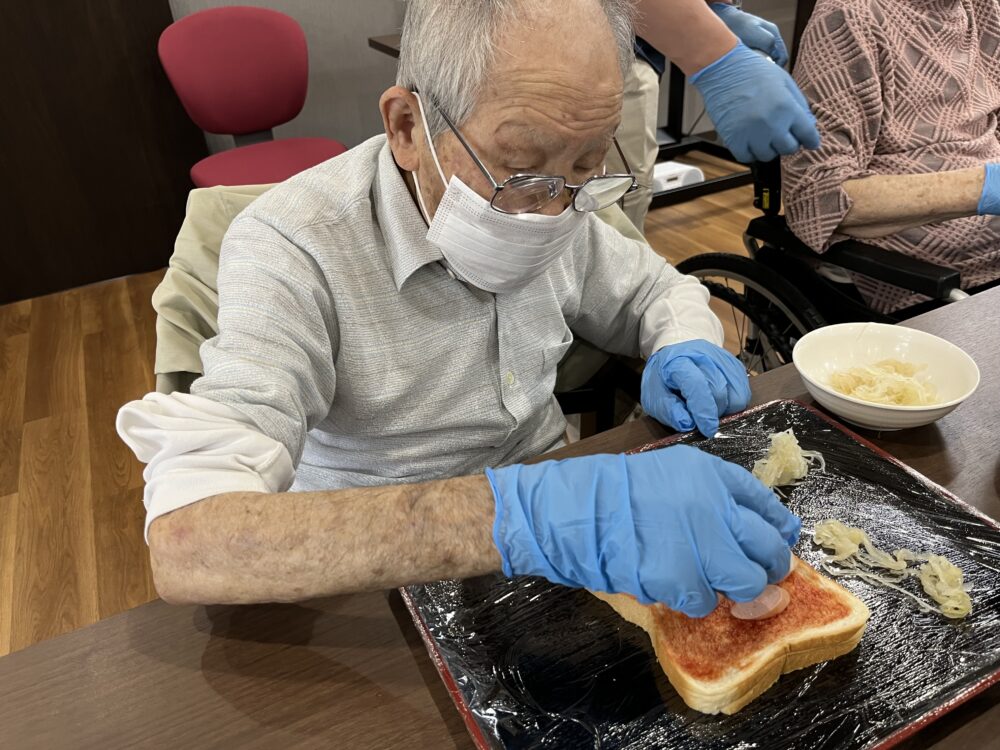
(430, 141)
(420, 200)
(416, 179)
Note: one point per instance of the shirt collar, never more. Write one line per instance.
(403, 227)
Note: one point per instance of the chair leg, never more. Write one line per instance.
(596, 402)
(606, 410)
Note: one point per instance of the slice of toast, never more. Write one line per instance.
(720, 663)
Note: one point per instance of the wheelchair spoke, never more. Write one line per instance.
(740, 337)
(766, 315)
(752, 323)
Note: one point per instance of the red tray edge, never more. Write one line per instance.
(446, 677)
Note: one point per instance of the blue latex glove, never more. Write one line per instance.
(692, 384)
(756, 106)
(674, 525)
(756, 33)
(989, 202)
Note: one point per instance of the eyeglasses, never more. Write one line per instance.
(527, 193)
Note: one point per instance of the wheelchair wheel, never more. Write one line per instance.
(762, 314)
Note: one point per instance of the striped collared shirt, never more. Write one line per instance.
(347, 355)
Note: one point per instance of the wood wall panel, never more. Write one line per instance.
(97, 147)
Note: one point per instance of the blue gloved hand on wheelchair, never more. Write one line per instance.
(756, 33)
(755, 106)
(674, 526)
(693, 384)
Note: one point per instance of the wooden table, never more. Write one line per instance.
(351, 671)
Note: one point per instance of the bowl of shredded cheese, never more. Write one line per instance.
(884, 377)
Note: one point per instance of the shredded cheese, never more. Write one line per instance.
(786, 462)
(943, 583)
(851, 553)
(891, 381)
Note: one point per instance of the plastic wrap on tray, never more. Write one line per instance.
(537, 665)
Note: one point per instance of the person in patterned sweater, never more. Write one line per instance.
(906, 94)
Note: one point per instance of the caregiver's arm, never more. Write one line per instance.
(754, 104)
(686, 31)
(886, 204)
(244, 547)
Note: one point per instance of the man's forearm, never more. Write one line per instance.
(253, 547)
(886, 204)
(686, 31)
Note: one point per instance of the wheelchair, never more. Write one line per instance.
(784, 290)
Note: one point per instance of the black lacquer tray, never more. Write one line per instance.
(534, 665)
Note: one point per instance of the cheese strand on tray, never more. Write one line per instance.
(786, 463)
(851, 553)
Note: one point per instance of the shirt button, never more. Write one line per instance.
(510, 378)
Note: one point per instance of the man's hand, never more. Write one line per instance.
(692, 384)
(673, 526)
(989, 201)
(756, 33)
(755, 106)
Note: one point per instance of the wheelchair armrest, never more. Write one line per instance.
(894, 268)
(882, 265)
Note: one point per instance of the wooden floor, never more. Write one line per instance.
(71, 514)
(713, 224)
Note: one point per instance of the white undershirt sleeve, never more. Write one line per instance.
(682, 314)
(195, 448)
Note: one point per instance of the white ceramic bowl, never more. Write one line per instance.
(820, 353)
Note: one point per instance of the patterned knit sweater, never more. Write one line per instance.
(899, 87)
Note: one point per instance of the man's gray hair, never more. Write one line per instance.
(448, 47)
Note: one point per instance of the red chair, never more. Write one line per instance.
(243, 71)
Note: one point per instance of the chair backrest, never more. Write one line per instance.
(187, 300)
(237, 70)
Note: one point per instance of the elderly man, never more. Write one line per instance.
(390, 323)
(907, 95)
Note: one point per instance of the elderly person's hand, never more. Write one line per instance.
(692, 384)
(756, 33)
(755, 106)
(674, 526)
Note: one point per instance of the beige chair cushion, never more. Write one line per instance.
(186, 301)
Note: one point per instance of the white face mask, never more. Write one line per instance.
(494, 251)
